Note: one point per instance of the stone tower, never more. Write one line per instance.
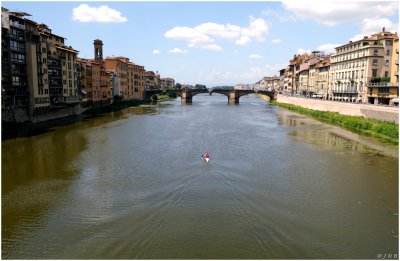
(98, 51)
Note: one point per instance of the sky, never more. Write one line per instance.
(208, 42)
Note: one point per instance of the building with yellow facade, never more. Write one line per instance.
(361, 70)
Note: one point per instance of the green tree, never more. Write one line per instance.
(200, 87)
(178, 86)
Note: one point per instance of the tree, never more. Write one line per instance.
(200, 87)
(178, 86)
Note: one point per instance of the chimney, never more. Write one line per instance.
(383, 29)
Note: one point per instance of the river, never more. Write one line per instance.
(132, 185)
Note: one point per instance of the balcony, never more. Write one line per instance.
(17, 25)
(17, 37)
(18, 49)
(55, 64)
(71, 99)
(384, 84)
(17, 60)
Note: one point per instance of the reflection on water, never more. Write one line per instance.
(34, 173)
(329, 136)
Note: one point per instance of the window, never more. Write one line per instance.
(387, 52)
(374, 72)
(375, 62)
(386, 74)
(16, 80)
(375, 51)
(383, 90)
(17, 57)
(387, 62)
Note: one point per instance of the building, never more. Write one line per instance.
(85, 78)
(383, 88)
(167, 83)
(361, 70)
(267, 84)
(242, 86)
(131, 78)
(39, 71)
(61, 68)
(394, 77)
(322, 78)
(14, 82)
(153, 81)
(282, 74)
(137, 75)
(302, 82)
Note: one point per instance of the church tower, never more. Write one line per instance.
(98, 51)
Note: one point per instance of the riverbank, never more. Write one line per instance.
(386, 130)
(368, 111)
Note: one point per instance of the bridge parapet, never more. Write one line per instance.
(234, 95)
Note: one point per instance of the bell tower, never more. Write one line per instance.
(98, 51)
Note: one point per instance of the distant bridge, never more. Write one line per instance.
(233, 95)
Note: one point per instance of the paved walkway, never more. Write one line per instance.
(384, 113)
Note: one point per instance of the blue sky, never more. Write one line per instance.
(212, 43)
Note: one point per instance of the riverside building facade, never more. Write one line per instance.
(362, 70)
(39, 72)
(43, 78)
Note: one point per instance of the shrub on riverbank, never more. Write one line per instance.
(383, 129)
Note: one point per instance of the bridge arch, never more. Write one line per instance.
(187, 95)
(234, 95)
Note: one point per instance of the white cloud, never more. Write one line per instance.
(281, 16)
(177, 50)
(255, 56)
(303, 51)
(212, 47)
(258, 28)
(105, 14)
(332, 12)
(275, 41)
(252, 75)
(243, 40)
(227, 31)
(188, 34)
(204, 35)
(327, 48)
(374, 25)
(156, 52)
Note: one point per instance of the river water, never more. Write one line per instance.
(132, 185)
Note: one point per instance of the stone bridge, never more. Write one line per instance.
(150, 93)
(233, 95)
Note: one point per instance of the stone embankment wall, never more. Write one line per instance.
(383, 113)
